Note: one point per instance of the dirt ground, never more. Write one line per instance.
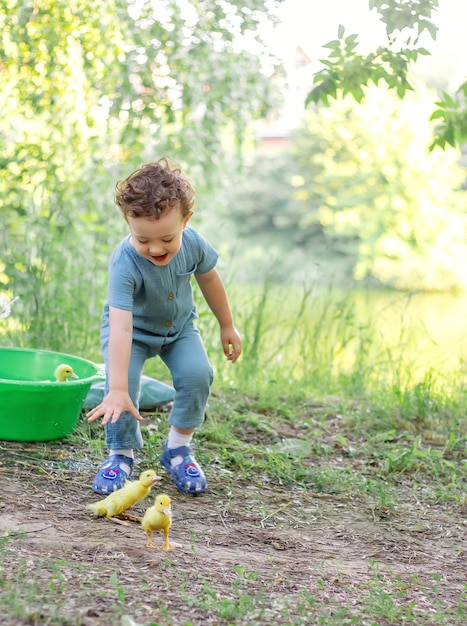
(293, 554)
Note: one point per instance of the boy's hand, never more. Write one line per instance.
(112, 406)
(231, 343)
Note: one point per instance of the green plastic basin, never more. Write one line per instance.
(33, 406)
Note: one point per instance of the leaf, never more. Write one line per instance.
(402, 89)
(432, 29)
(448, 101)
(335, 44)
(463, 88)
(340, 31)
(450, 134)
(437, 114)
(318, 93)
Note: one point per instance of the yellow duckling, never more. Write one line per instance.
(63, 372)
(119, 501)
(158, 517)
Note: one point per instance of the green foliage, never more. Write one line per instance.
(451, 117)
(360, 187)
(89, 91)
(347, 71)
(399, 15)
(383, 190)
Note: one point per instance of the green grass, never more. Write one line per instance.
(378, 601)
(318, 406)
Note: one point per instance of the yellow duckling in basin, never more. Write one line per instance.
(158, 517)
(63, 372)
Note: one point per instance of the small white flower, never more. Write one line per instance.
(5, 306)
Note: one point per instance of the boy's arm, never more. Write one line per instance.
(214, 293)
(117, 400)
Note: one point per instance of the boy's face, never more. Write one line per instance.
(158, 240)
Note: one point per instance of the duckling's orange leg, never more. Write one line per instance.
(133, 518)
(167, 545)
(149, 543)
(117, 521)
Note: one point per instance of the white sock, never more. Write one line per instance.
(175, 440)
(128, 453)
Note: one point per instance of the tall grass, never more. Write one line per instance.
(296, 342)
(305, 349)
(324, 343)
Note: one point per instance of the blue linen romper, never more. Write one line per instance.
(161, 299)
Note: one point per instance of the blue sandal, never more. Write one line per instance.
(187, 475)
(113, 473)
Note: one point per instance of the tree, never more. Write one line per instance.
(89, 90)
(346, 71)
(402, 205)
(360, 191)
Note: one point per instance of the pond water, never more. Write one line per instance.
(434, 325)
(401, 336)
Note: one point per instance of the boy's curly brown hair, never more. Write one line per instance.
(153, 189)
